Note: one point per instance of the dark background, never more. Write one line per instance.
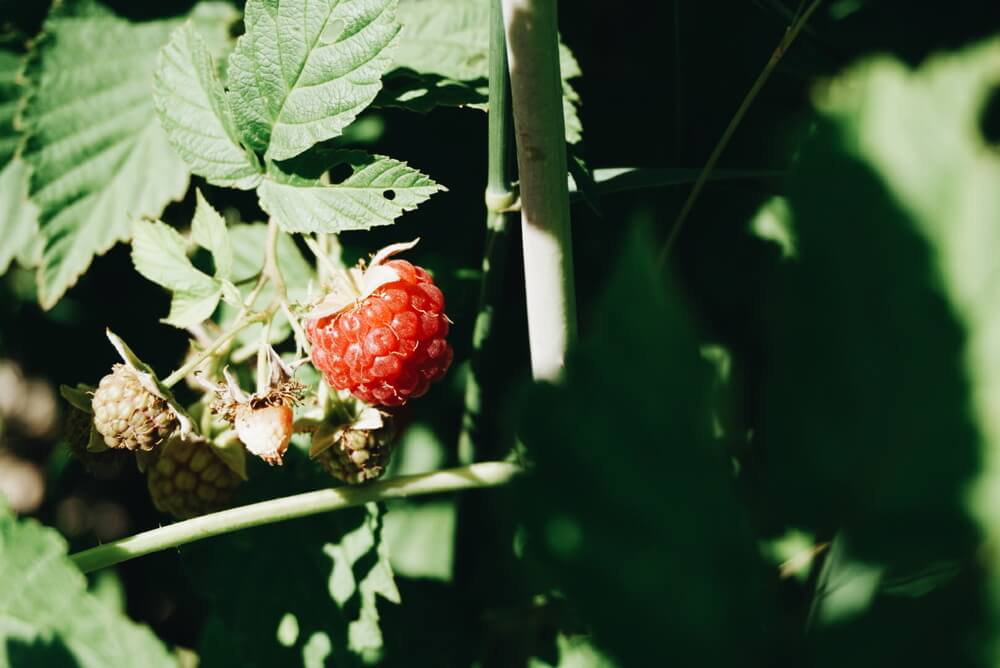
(661, 81)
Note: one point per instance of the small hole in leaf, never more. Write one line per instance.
(389, 194)
(341, 172)
(989, 122)
(332, 31)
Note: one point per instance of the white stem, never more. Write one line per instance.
(536, 96)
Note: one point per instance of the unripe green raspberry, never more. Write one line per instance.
(359, 455)
(128, 415)
(190, 479)
(102, 465)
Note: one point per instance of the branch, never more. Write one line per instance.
(500, 196)
(536, 95)
(486, 474)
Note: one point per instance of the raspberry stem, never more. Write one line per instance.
(476, 476)
(536, 96)
(500, 195)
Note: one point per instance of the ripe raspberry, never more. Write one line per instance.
(359, 455)
(265, 431)
(128, 415)
(102, 465)
(389, 346)
(189, 479)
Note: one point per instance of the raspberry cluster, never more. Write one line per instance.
(388, 347)
(189, 479)
(359, 455)
(102, 465)
(128, 415)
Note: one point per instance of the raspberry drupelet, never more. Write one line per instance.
(389, 346)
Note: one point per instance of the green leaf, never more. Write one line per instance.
(195, 113)
(99, 157)
(249, 242)
(449, 38)
(640, 506)
(208, 230)
(304, 70)
(575, 652)
(774, 222)
(378, 191)
(421, 538)
(11, 92)
(363, 633)
(879, 401)
(159, 253)
(445, 43)
(47, 618)
(18, 214)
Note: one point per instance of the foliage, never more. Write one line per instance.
(47, 617)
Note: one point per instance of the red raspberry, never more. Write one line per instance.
(389, 346)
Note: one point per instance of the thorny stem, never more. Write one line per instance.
(536, 96)
(500, 195)
(486, 474)
(786, 42)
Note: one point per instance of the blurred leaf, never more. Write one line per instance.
(421, 538)
(575, 652)
(107, 587)
(99, 157)
(11, 92)
(774, 222)
(248, 242)
(631, 501)
(377, 192)
(304, 70)
(159, 254)
(194, 111)
(364, 636)
(18, 214)
(208, 230)
(880, 382)
(47, 618)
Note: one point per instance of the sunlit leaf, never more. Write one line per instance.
(194, 111)
(47, 618)
(304, 70)
(378, 191)
(99, 157)
(159, 253)
(208, 230)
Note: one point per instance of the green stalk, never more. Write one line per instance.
(486, 474)
(536, 96)
(500, 196)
